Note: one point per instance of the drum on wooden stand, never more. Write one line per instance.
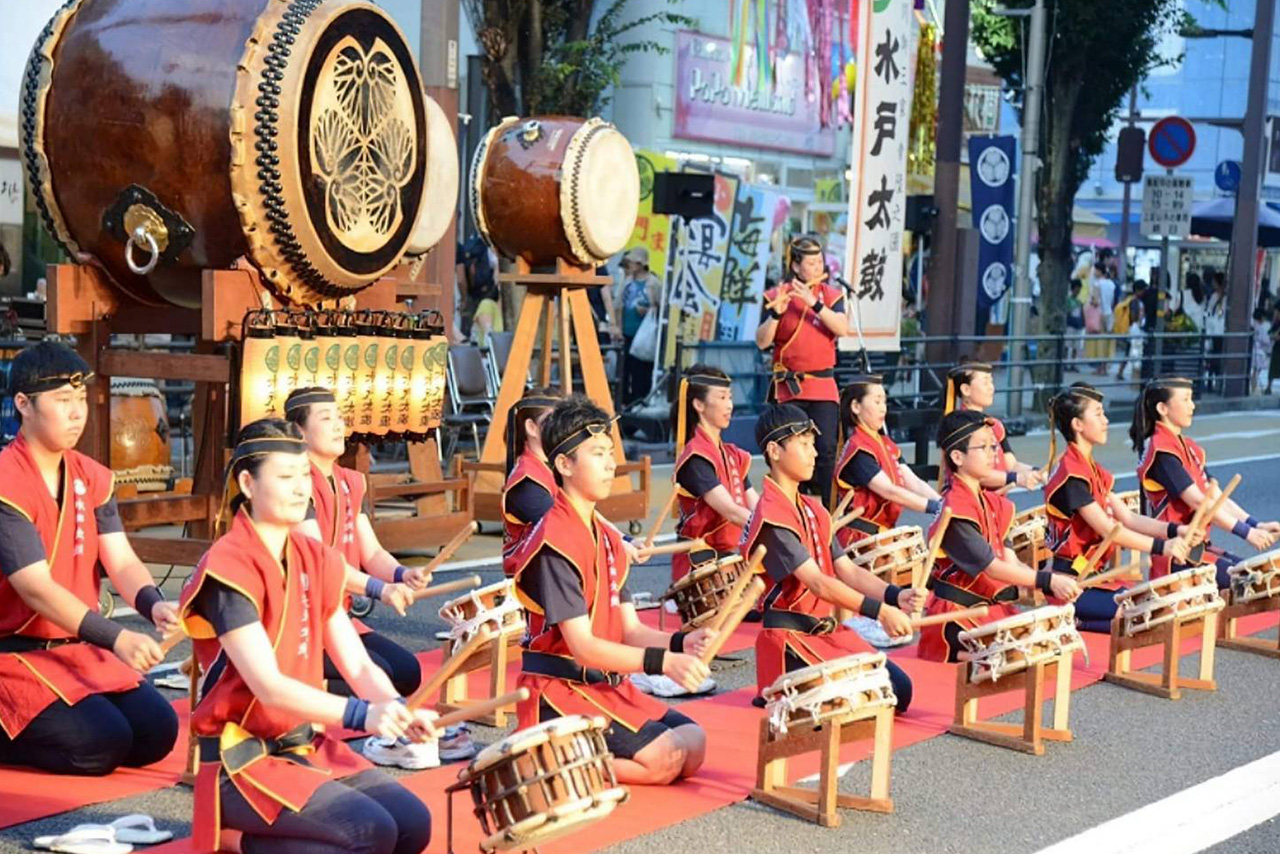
(1256, 578)
(494, 606)
(843, 689)
(139, 435)
(1019, 642)
(1180, 595)
(699, 595)
(442, 181)
(1027, 536)
(893, 555)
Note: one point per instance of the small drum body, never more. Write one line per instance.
(1256, 578)
(543, 782)
(1132, 499)
(699, 594)
(1024, 640)
(494, 606)
(894, 555)
(442, 181)
(1181, 595)
(139, 435)
(555, 187)
(843, 689)
(1027, 535)
(167, 138)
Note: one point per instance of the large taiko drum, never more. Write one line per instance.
(555, 187)
(139, 435)
(442, 181)
(169, 137)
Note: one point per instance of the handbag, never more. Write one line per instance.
(644, 344)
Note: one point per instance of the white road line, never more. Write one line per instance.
(1217, 464)
(1192, 820)
(483, 562)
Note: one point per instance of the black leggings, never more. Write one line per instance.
(97, 735)
(826, 414)
(397, 662)
(898, 678)
(369, 813)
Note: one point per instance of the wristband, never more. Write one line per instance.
(818, 306)
(400, 573)
(677, 641)
(891, 594)
(653, 658)
(146, 601)
(355, 714)
(1157, 545)
(1241, 529)
(1044, 581)
(1252, 522)
(98, 630)
(373, 588)
(869, 608)
(932, 506)
(1171, 531)
(1010, 478)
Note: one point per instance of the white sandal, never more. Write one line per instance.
(85, 839)
(139, 829)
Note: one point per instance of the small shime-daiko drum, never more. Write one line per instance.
(1132, 499)
(1024, 640)
(894, 555)
(843, 689)
(1256, 578)
(1027, 536)
(139, 435)
(555, 187)
(699, 595)
(1182, 595)
(169, 138)
(495, 606)
(541, 783)
(442, 181)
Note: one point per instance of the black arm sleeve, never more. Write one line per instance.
(552, 582)
(860, 470)
(964, 545)
(1006, 446)
(697, 477)
(108, 517)
(838, 306)
(1071, 496)
(20, 544)
(785, 551)
(1168, 471)
(225, 609)
(528, 501)
(311, 510)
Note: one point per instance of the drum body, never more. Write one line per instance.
(543, 782)
(1016, 643)
(1256, 578)
(139, 435)
(1027, 536)
(699, 594)
(555, 187)
(894, 555)
(843, 689)
(1132, 499)
(1181, 595)
(290, 132)
(494, 606)
(442, 181)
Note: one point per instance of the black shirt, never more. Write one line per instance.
(226, 609)
(967, 548)
(860, 470)
(1168, 471)
(20, 544)
(1071, 496)
(552, 581)
(528, 501)
(698, 477)
(785, 552)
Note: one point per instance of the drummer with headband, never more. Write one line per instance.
(977, 566)
(263, 609)
(808, 573)
(802, 320)
(970, 387)
(871, 465)
(1082, 508)
(74, 701)
(530, 488)
(583, 633)
(1173, 477)
(712, 480)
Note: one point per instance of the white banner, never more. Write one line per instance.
(878, 163)
(10, 191)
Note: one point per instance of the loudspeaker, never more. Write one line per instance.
(687, 194)
(920, 213)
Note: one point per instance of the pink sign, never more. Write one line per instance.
(710, 108)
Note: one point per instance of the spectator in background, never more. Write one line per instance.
(488, 313)
(1093, 327)
(640, 296)
(1104, 287)
(1215, 322)
(1075, 324)
(1261, 350)
(477, 270)
(1274, 368)
(1137, 340)
(1192, 303)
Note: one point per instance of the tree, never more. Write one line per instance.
(1097, 51)
(543, 57)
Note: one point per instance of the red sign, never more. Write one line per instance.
(1172, 142)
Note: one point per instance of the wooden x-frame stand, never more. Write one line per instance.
(1030, 735)
(1167, 683)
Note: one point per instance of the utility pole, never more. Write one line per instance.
(1020, 308)
(1126, 206)
(1244, 230)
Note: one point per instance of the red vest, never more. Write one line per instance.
(597, 554)
(1073, 539)
(294, 602)
(1160, 504)
(993, 514)
(803, 343)
(527, 467)
(69, 535)
(880, 512)
(697, 517)
(337, 510)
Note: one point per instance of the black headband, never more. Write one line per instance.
(536, 401)
(267, 445)
(577, 437)
(1171, 382)
(805, 246)
(1075, 391)
(970, 368)
(791, 428)
(709, 380)
(950, 442)
(867, 379)
(306, 398)
(40, 384)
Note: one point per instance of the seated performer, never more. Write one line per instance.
(583, 635)
(977, 566)
(263, 608)
(809, 574)
(970, 387)
(871, 465)
(1082, 509)
(715, 493)
(72, 700)
(1173, 477)
(530, 489)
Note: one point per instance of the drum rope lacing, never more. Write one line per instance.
(783, 707)
(1051, 634)
(1249, 583)
(463, 630)
(1154, 609)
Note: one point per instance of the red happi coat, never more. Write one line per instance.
(1161, 505)
(1073, 539)
(294, 601)
(528, 467)
(876, 510)
(697, 517)
(597, 554)
(809, 521)
(993, 514)
(1001, 462)
(337, 505)
(31, 681)
(803, 343)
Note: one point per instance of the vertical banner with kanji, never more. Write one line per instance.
(652, 231)
(991, 188)
(696, 265)
(878, 162)
(743, 287)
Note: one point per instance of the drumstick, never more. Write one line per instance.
(451, 587)
(950, 617)
(842, 506)
(1101, 549)
(736, 592)
(451, 547)
(1206, 521)
(666, 511)
(451, 666)
(1204, 504)
(480, 708)
(678, 547)
(845, 520)
(739, 614)
(169, 641)
(921, 576)
(1104, 577)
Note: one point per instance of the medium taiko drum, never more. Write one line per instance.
(555, 187)
(290, 132)
(139, 435)
(442, 181)
(1178, 596)
(1011, 645)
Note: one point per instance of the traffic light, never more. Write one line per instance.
(1130, 151)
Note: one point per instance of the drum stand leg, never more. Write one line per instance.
(456, 694)
(1229, 631)
(1030, 735)
(1168, 683)
(193, 694)
(820, 805)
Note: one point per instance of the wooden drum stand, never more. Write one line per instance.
(1030, 735)
(1167, 683)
